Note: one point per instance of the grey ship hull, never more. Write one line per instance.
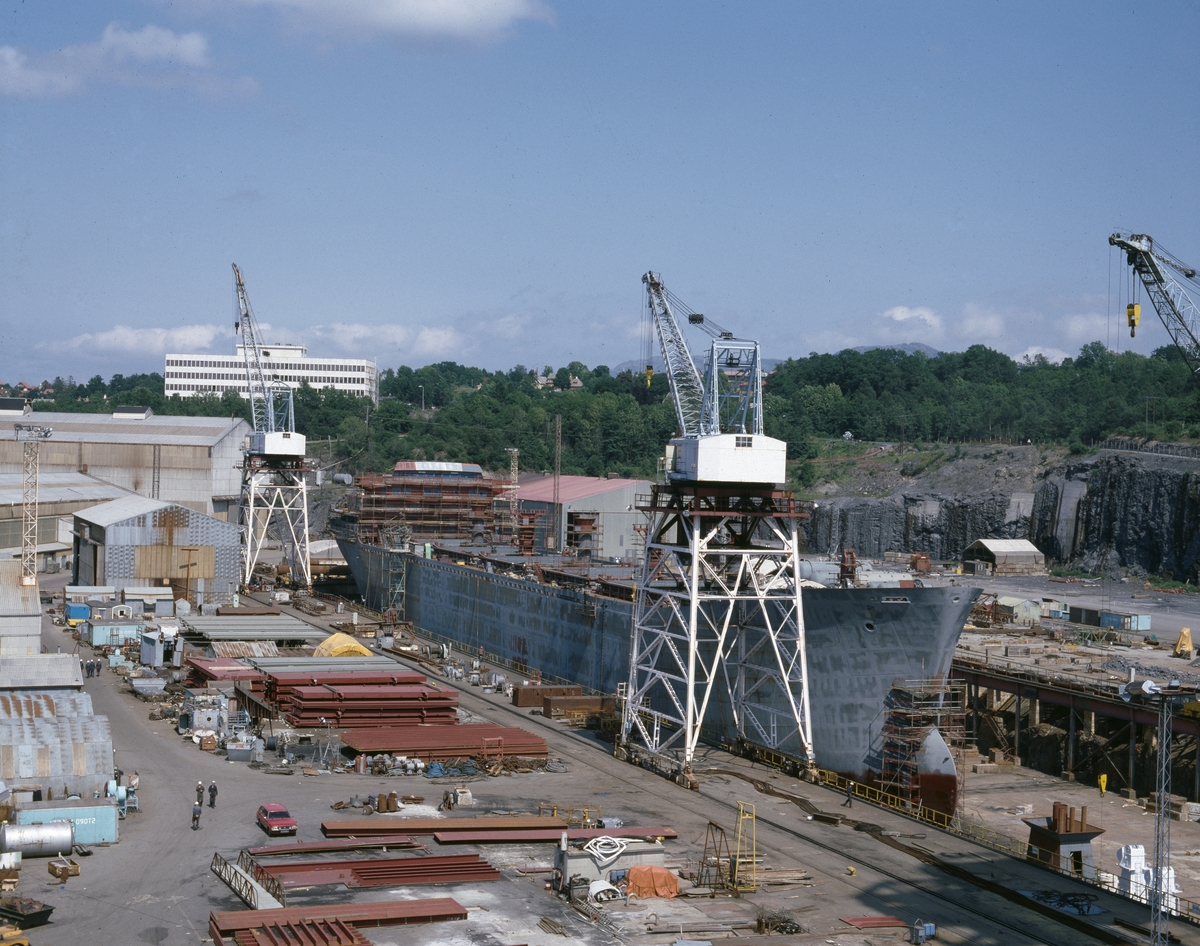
(860, 641)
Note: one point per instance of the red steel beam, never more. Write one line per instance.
(454, 868)
(425, 826)
(533, 835)
(358, 915)
(353, 844)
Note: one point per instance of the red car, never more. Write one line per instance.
(275, 819)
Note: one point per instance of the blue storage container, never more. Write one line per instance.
(95, 819)
(76, 613)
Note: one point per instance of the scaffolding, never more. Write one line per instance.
(525, 533)
(432, 507)
(914, 708)
(584, 535)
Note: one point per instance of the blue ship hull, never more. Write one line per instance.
(860, 640)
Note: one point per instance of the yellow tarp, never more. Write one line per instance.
(647, 881)
(340, 645)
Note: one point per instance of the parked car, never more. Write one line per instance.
(275, 819)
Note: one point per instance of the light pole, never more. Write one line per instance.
(422, 387)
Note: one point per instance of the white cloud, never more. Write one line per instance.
(979, 324)
(151, 56)
(144, 341)
(463, 20)
(1084, 327)
(1052, 355)
(901, 314)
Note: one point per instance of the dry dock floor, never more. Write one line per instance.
(155, 886)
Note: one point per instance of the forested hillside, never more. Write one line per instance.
(617, 424)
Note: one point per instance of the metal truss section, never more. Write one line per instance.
(733, 388)
(718, 626)
(275, 496)
(1162, 900)
(686, 386)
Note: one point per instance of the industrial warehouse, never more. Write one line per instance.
(499, 706)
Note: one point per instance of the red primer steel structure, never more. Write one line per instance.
(429, 826)
(303, 933)
(279, 685)
(533, 835)
(379, 872)
(223, 927)
(441, 743)
(320, 847)
(371, 706)
(533, 694)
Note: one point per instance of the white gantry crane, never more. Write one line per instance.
(718, 621)
(1175, 308)
(1181, 318)
(31, 436)
(273, 464)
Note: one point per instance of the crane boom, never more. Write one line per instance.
(251, 350)
(1175, 308)
(687, 390)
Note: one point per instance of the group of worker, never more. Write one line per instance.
(199, 806)
(92, 668)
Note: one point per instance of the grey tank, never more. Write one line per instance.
(860, 640)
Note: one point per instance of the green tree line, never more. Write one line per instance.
(618, 424)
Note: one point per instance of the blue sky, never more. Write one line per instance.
(486, 182)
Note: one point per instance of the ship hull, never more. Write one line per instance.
(860, 641)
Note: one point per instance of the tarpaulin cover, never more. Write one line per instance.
(340, 645)
(647, 881)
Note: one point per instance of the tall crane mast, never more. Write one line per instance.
(717, 614)
(274, 488)
(1175, 308)
(31, 437)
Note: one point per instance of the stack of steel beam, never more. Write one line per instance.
(279, 685)
(428, 826)
(383, 871)
(352, 707)
(441, 743)
(224, 927)
(321, 847)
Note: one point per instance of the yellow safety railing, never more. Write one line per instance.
(989, 837)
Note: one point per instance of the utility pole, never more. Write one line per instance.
(1148, 398)
(31, 436)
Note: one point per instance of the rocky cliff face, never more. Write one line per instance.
(1111, 512)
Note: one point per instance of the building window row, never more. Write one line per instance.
(200, 363)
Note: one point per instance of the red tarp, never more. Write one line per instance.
(647, 881)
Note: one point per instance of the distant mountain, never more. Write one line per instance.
(909, 348)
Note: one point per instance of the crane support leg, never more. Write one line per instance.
(718, 624)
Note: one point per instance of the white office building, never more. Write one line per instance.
(192, 375)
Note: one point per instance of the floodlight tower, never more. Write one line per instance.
(31, 436)
(273, 462)
(718, 614)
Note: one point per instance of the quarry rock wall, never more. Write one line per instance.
(1103, 514)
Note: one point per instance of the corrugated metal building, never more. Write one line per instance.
(71, 751)
(1003, 557)
(20, 613)
(136, 542)
(38, 704)
(59, 495)
(596, 516)
(1016, 610)
(185, 460)
(41, 672)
